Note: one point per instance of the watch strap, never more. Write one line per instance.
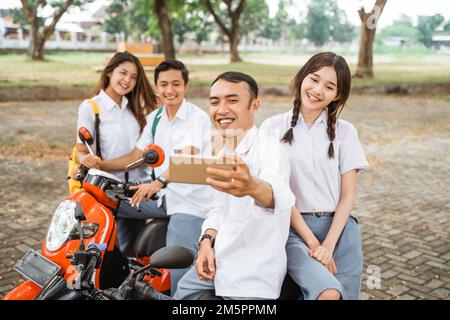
(207, 236)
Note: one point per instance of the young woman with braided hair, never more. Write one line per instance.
(324, 246)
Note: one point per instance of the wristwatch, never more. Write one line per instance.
(209, 237)
(163, 180)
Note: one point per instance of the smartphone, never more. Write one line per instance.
(192, 169)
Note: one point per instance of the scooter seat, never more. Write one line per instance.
(210, 295)
(152, 238)
(290, 290)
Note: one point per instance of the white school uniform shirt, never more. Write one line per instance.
(190, 127)
(315, 178)
(119, 131)
(250, 244)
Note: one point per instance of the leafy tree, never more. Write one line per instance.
(40, 34)
(402, 27)
(318, 23)
(369, 22)
(427, 26)
(143, 20)
(281, 26)
(254, 17)
(341, 29)
(119, 13)
(191, 17)
(274, 28)
(153, 17)
(20, 18)
(326, 20)
(185, 17)
(447, 27)
(227, 14)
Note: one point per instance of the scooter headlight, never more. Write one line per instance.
(62, 223)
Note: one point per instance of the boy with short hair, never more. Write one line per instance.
(182, 126)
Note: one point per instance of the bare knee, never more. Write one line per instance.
(329, 294)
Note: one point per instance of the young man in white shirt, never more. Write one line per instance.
(182, 126)
(242, 250)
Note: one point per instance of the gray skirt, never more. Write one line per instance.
(312, 276)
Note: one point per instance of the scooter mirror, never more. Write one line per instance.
(85, 136)
(153, 155)
(173, 257)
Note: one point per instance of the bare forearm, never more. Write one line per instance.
(300, 226)
(340, 219)
(82, 151)
(120, 163)
(166, 174)
(262, 193)
(343, 210)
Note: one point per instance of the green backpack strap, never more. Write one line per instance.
(154, 125)
(156, 121)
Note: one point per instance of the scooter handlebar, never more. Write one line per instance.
(145, 291)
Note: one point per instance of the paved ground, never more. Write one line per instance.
(403, 201)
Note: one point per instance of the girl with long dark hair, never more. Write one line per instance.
(324, 246)
(124, 96)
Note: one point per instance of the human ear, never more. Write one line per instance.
(255, 105)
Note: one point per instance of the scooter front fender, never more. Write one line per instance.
(27, 290)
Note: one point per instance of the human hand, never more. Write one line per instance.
(331, 266)
(144, 191)
(206, 262)
(90, 161)
(238, 181)
(322, 254)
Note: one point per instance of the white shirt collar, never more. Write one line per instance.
(247, 141)
(244, 146)
(323, 117)
(109, 103)
(181, 113)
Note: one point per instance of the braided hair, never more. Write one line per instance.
(317, 62)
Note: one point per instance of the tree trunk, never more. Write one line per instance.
(365, 57)
(161, 11)
(233, 33)
(37, 43)
(36, 48)
(234, 42)
(368, 29)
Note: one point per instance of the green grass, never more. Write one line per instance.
(77, 69)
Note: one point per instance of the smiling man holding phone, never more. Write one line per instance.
(242, 248)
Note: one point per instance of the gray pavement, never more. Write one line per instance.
(402, 203)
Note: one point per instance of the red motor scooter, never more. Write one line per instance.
(97, 202)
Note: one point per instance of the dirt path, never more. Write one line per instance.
(403, 201)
